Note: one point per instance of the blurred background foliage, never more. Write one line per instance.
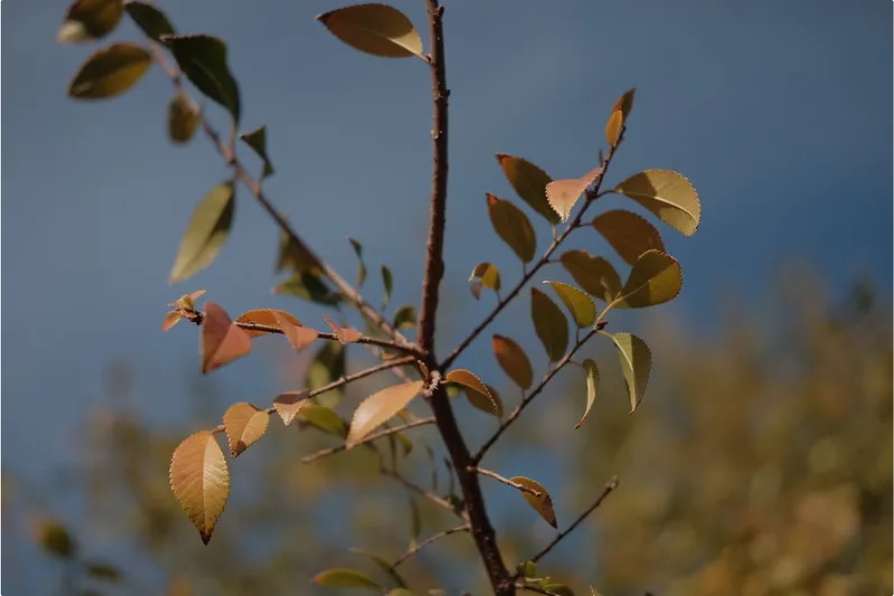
(760, 463)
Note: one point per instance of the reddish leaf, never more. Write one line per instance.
(222, 340)
(563, 194)
(171, 319)
(268, 317)
(346, 335)
(299, 337)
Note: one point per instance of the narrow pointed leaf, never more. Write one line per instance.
(346, 335)
(221, 340)
(361, 271)
(669, 195)
(257, 140)
(513, 361)
(171, 319)
(268, 317)
(513, 227)
(489, 403)
(542, 504)
(376, 29)
(289, 404)
(244, 424)
(529, 183)
(90, 19)
(200, 481)
(594, 274)
(388, 284)
(384, 565)
(324, 419)
(110, 72)
(592, 372)
(405, 317)
(152, 21)
(183, 119)
(628, 233)
(636, 363)
(655, 278)
(208, 229)
(564, 194)
(379, 407)
(203, 59)
(550, 324)
(484, 275)
(346, 578)
(618, 118)
(582, 308)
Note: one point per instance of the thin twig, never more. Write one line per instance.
(368, 439)
(506, 481)
(427, 541)
(427, 494)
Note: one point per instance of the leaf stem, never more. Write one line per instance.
(384, 433)
(427, 541)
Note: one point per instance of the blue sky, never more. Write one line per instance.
(779, 112)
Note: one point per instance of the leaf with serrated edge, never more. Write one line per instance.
(636, 363)
(244, 424)
(221, 340)
(346, 578)
(379, 407)
(200, 481)
(594, 274)
(208, 229)
(484, 275)
(592, 373)
(581, 306)
(110, 72)
(466, 379)
(513, 226)
(529, 182)
(376, 29)
(90, 19)
(489, 404)
(542, 504)
(669, 195)
(628, 233)
(564, 194)
(655, 278)
(513, 360)
(346, 335)
(268, 317)
(288, 404)
(300, 337)
(550, 324)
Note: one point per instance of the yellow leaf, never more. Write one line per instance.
(628, 233)
(171, 319)
(346, 335)
(656, 278)
(618, 118)
(221, 340)
(594, 274)
(563, 194)
(636, 363)
(529, 183)
(244, 424)
(183, 119)
(550, 324)
(484, 275)
(187, 301)
(592, 372)
(208, 229)
(267, 317)
(542, 504)
(668, 195)
(201, 481)
(581, 306)
(478, 393)
(300, 337)
(288, 404)
(489, 404)
(110, 72)
(90, 19)
(379, 407)
(513, 360)
(513, 227)
(376, 29)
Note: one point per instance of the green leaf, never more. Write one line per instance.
(361, 271)
(618, 118)
(103, 571)
(327, 365)
(542, 504)
(376, 29)
(152, 21)
(636, 362)
(415, 522)
(90, 19)
(489, 404)
(203, 59)
(388, 283)
(484, 275)
(324, 419)
(110, 72)
(594, 274)
(346, 578)
(309, 286)
(628, 233)
(558, 589)
(183, 119)
(208, 229)
(550, 324)
(295, 256)
(527, 569)
(581, 306)
(405, 317)
(257, 140)
(384, 565)
(656, 278)
(668, 195)
(592, 372)
(56, 540)
(529, 182)
(513, 360)
(513, 227)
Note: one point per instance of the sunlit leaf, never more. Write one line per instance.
(379, 407)
(489, 404)
(628, 233)
(655, 278)
(90, 19)
(376, 29)
(513, 360)
(203, 59)
(564, 194)
(257, 140)
(513, 227)
(208, 229)
(385, 566)
(405, 317)
(484, 275)
(346, 578)
(289, 404)
(300, 337)
(636, 363)
(592, 373)
(346, 335)
(529, 182)
(110, 72)
(550, 324)
(618, 118)
(268, 317)
(668, 195)
(581, 306)
(244, 424)
(527, 569)
(183, 119)
(54, 538)
(594, 274)
(221, 341)
(388, 283)
(558, 589)
(327, 365)
(309, 286)
(187, 301)
(152, 21)
(102, 571)
(201, 481)
(542, 504)
(324, 419)
(171, 319)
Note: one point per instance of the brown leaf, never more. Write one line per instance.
(244, 424)
(187, 301)
(594, 274)
(346, 335)
(563, 194)
(171, 319)
(529, 181)
(628, 233)
(618, 118)
(489, 404)
(200, 480)
(90, 19)
(288, 404)
(222, 340)
(484, 275)
(513, 227)
(376, 29)
(550, 324)
(542, 504)
(110, 72)
(299, 337)
(380, 407)
(513, 360)
(267, 317)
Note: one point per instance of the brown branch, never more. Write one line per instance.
(427, 494)
(370, 438)
(506, 481)
(427, 541)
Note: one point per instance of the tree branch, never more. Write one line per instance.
(506, 481)
(384, 433)
(427, 541)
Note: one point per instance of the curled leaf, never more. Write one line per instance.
(288, 404)
(200, 481)
(110, 72)
(636, 363)
(581, 306)
(592, 372)
(655, 278)
(244, 424)
(542, 504)
(257, 140)
(484, 275)
(628, 233)
(376, 29)
(221, 341)
(550, 324)
(618, 118)
(268, 317)
(90, 19)
(346, 335)
(529, 181)
(513, 360)
(669, 195)
(513, 227)
(594, 274)
(563, 194)
(379, 407)
(208, 229)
